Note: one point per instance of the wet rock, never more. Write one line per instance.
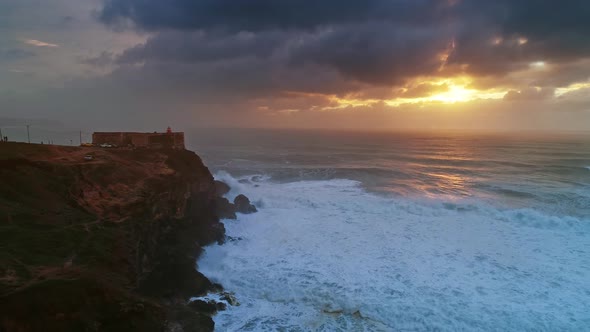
(243, 205)
(229, 298)
(224, 209)
(221, 306)
(216, 287)
(209, 307)
(186, 318)
(233, 239)
(221, 188)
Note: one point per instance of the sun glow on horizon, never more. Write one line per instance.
(457, 91)
(444, 91)
(454, 90)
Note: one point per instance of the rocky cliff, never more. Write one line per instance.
(107, 244)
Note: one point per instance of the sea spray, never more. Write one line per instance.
(329, 256)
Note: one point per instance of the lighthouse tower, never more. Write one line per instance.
(169, 130)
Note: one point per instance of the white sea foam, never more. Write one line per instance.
(328, 256)
(212, 297)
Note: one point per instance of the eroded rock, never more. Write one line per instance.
(243, 205)
(221, 188)
(224, 209)
(229, 298)
(209, 307)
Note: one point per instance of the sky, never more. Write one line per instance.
(511, 65)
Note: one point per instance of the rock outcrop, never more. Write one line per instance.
(104, 245)
(226, 210)
(243, 205)
(221, 188)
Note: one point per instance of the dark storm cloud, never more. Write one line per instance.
(540, 19)
(379, 53)
(375, 52)
(256, 15)
(524, 31)
(239, 78)
(339, 35)
(187, 47)
(375, 42)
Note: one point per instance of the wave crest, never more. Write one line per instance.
(327, 255)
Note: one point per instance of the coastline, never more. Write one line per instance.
(106, 244)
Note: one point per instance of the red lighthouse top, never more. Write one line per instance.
(169, 130)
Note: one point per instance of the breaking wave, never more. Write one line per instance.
(329, 256)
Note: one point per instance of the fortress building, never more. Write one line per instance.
(155, 140)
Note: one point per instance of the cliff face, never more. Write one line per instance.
(107, 244)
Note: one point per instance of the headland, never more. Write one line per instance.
(97, 239)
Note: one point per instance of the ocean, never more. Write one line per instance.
(402, 231)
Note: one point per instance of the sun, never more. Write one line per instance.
(452, 90)
(458, 90)
(455, 94)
